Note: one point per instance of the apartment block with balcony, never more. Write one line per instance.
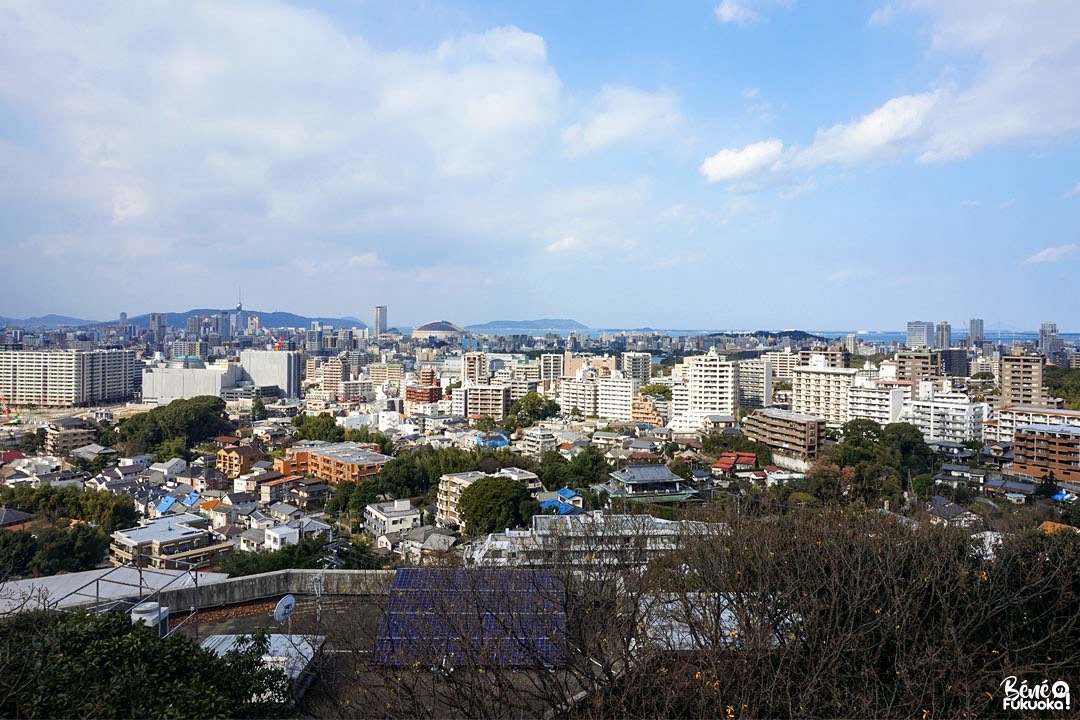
(1021, 381)
(1041, 450)
(822, 391)
(175, 542)
(786, 432)
(1005, 421)
(333, 462)
(451, 486)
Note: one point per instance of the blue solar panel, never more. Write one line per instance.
(506, 617)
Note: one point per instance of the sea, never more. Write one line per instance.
(870, 337)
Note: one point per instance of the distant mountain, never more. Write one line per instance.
(543, 325)
(268, 319)
(46, 321)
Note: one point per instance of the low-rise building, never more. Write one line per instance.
(1040, 451)
(390, 517)
(788, 433)
(174, 542)
(332, 462)
(451, 486)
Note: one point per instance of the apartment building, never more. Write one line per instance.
(332, 462)
(637, 365)
(705, 385)
(391, 517)
(1039, 450)
(451, 486)
(63, 436)
(615, 397)
(822, 391)
(786, 432)
(581, 392)
(487, 400)
(237, 460)
(870, 400)
(67, 378)
(174, 542)
(755, 383)
(382, 373)
(837, 357)
(1005, 421)
(536, 441)
(336, 371)
(948, 415)
(474, 368)
(783, 363)
(917, 365)
(1021, 382)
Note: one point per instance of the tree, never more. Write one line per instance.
(485, 423)
(258, 408)
(906, 440)
(554, 470)
(175, 447)
(17, 550)
(191, 421)
(72, 549)
(318, 427)
(531, 407)
(923, 486)
(367, 435)
(142, 675)
(492, 504)
(660, 389)
(1047, 486)
(589, 467)
(306, 554)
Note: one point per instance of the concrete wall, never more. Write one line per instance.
(275, 584)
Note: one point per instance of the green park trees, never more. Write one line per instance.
(181, 422)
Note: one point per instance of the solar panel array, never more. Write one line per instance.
(448, 617)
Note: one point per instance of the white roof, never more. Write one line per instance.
(85, 588)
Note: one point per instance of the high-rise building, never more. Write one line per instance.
(916, 365)
(615, 397)
(380, 320)
(270, 368)
(64, 378)
(157, 327)
(976, 334)
(474, 367)
(755, 383)
(637, 365)
(944, 335)
(822, 391)
(1048, 334)
(705, 385)
(1021, 380)
(551, 367)
(920, 334)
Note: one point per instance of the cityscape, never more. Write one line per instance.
(456, 359)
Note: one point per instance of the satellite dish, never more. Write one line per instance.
(284, 608)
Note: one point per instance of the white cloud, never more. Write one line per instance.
(563, 244)
(1052, 254)
(1005, 205)
(881, 132)
(738, 163)
(369, 259)
(1074, 192)
(883, 15)
(623, 113)
(735, 11)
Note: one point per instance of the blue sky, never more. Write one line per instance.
(724, 164)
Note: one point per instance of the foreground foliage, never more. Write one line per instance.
(75, 665)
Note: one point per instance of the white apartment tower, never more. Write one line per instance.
(705, 385)
(615, 397)
(822, 391)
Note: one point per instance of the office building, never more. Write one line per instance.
(381, 320)
(943, 335)
(976, 333)
(920, 334)
(157, 328)
(67, 378)
(1048, 336)
(273, 371)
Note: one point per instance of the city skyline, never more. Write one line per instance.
(733, 164)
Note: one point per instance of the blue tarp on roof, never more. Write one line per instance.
(560, 507)
(166, 502)
(191, 499)
(566, 493)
